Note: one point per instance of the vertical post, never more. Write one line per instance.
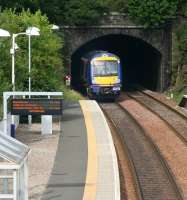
(29, 63)
(29, 117)
(15, 185)
(12, 128)
(5, 98)
(25, 168)
(13, 62)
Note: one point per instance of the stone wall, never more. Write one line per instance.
(160, 39)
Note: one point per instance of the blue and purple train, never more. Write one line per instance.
(102, 74)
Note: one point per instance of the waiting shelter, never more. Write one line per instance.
(13, 168)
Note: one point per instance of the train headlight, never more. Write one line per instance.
(117, 88)
(94, 80)
(118, 81)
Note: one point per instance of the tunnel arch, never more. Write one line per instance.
(141, 62)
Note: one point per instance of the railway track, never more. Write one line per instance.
(153, 179)
(172, 117)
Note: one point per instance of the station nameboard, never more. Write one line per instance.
(36, 106)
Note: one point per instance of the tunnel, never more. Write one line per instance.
(139, 60)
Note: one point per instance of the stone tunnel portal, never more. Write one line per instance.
(139, 60)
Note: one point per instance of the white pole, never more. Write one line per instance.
(25, 168)
(29, 63)
(5, 112)
(13, 69)
(13, 62)
(15, 185)
(30, 117)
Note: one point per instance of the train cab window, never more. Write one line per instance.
(104, 67)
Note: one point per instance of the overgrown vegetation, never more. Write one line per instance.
(150, 13)
(47, 68)
(179, 65)
(82, 12)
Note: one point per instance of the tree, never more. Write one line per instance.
(152, 12)
(47, 68)
(120, 6)
(82, 12)
(18, 5)
(181, 75)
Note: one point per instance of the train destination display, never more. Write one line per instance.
(36, 106)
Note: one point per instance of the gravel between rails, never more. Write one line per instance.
(171, 146)
(174, 119)
(154, 182)
(169, 102)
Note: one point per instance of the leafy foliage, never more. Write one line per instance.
(181, 80)
(71, 12)
(117, 5)
(182, 43)
(47, 68)
(152, 12)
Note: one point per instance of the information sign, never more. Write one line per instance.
(36, 106)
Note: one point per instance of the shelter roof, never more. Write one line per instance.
(12, 150)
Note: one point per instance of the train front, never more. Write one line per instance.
(106, 75)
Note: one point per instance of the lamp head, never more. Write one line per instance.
(55, 27)
(4, 33)
(33, 31)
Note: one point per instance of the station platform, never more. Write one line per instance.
(85, 165)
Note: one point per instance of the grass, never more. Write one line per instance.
(177, 95)
(69, 95)
(72, 95)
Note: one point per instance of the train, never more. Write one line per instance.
(101, 74)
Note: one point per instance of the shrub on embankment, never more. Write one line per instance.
(46, 57)
(179, 52)
(149, 13)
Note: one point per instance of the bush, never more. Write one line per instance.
(152, 12)
(47, 68)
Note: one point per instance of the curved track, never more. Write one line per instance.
(152, 178)
(172, 117)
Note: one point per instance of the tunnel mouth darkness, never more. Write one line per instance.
(141, 62)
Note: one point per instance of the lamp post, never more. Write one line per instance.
(12, 51)
(31, 31)
(35, 32)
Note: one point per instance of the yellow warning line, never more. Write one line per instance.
(91, 176)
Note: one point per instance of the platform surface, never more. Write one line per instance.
(69, 171)
(85, 166)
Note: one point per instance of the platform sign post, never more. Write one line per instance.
(39, 106)
(47, 124)
(43, 105)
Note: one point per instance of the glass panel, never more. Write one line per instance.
(104, 68)
(6, 186)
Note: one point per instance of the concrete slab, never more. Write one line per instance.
(76, 163)
(67, 178)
